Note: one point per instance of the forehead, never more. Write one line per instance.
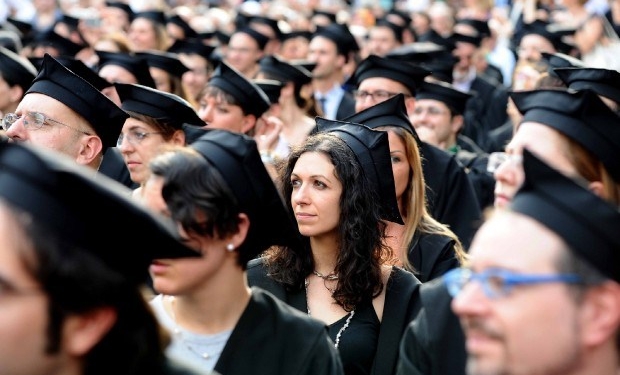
(516, 242)
(314, 163)
(535, 40)
(381, 83)
(321, 43)
(116, 73)
(242, 39)
(430, 103)
(35, 102)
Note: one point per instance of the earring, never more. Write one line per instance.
(230, 247)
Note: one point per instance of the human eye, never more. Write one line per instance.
(496, 282)
(382, 94)
(319, 184)
(138, 136)
(395, 159)
(295, 183)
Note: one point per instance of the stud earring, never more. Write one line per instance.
(230, 247)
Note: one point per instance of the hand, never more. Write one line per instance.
(267, 132)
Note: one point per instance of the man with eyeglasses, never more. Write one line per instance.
(541, 293)
(63, 112)
(451, 196)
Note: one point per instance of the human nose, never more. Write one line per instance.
(206, 113)
(470, 300)
(299, 196)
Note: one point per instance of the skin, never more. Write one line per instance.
(532, 45)
(543, 141)
(161, 78)
(196, 78)
(142, 35)
(496, 340)
(400, 165)
(220, 115)
(324, 53)
(79, 146)
(438, 129)
(243, 54)
(381, 40)
(316, 195)
(375, 84)
(9, 96)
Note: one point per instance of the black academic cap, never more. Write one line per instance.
(390, 112)
(445, 93)
(16, 69)
(476, 40)
(560, 60)
(11, 40)
(180, 22)
(331, 16)
(372, 151)
(283, 71)
(90, 212)
(604, 82)
(50, 38)
(481, 27)
(136, 65)
(405, 19)
(434, 57)
(433, 36)
(78, 67)
(122, 6)
(70, 21)
(192, 46)
(271, 87)
(581, 116)
(237, 159)
(166, 61)
(260, 38)
(58, 82)
(304, 63)
(272, 23)
(548, 32)
(250, 97)
(404, 72)
(297, 34)
(25, 28)
(163, 106)
(340, 35)
(156, 16)
(397, 30)
(222, 37)
(588, 224)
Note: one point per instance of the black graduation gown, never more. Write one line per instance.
(271, 338)
(346, 107)
(450, 195)
(401, 306)
(431, 255)
(434, 343)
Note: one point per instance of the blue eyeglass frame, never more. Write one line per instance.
(456, 279)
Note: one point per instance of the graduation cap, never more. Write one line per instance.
(249, 96)
(588, 224)
(481, 27)
(604, 82)
(340, 35)
(434, 57)
(297, 34)
(284, 72)
(156, 16)
(581, 116)
(331, 16)
(260, 38)
(272, 23)
(78, 67)
(476, 40)
(163, 106)
(58, 82)
(304, 63)
(25, 28)
(88, 211)
(406, 73)
(70, 21)
(11, 39)
(52, 39)
(122, 6)
(222, 37)
(560, 60)
(404, 20)
(15, 69)
(192, 47)
(134, 64)
(271, 87)
(188, 31)
(166, 61)
(445, 93)
(236, 158)
(390, 112)
(547, 31)
(372, 151)
(397, 30)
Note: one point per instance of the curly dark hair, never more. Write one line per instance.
(361, 230)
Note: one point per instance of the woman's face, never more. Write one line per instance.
(400, 165)
(140, 144)
(541, 140)
(315, 198)
(142, 35)
(220, 115)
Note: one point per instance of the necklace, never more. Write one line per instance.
(178, 332)
(346, 323)
(329, 277)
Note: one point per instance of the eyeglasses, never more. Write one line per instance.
(134, 137)
(379, 95)
(433, 111)
(498, 283)
(33, 121)
(497, 159)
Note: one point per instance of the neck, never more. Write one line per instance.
(325, 254)
(323, 85)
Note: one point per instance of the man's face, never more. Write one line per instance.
(375, 85)
(381, 40)
(534, 329)
(324, 53)
(243, 53)
(434, 123)
(532, 45)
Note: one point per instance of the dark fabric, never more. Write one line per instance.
(475, 164)
(346, 107)
(434, 343)
(486, 110)
(401, 306)
(498, 138)
(114, 167)
(449, 192)
(431, 255)
(290, 342)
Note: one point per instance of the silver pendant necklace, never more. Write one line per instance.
(346, 323)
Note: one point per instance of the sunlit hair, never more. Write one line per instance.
(361, 232)
(414, 210)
